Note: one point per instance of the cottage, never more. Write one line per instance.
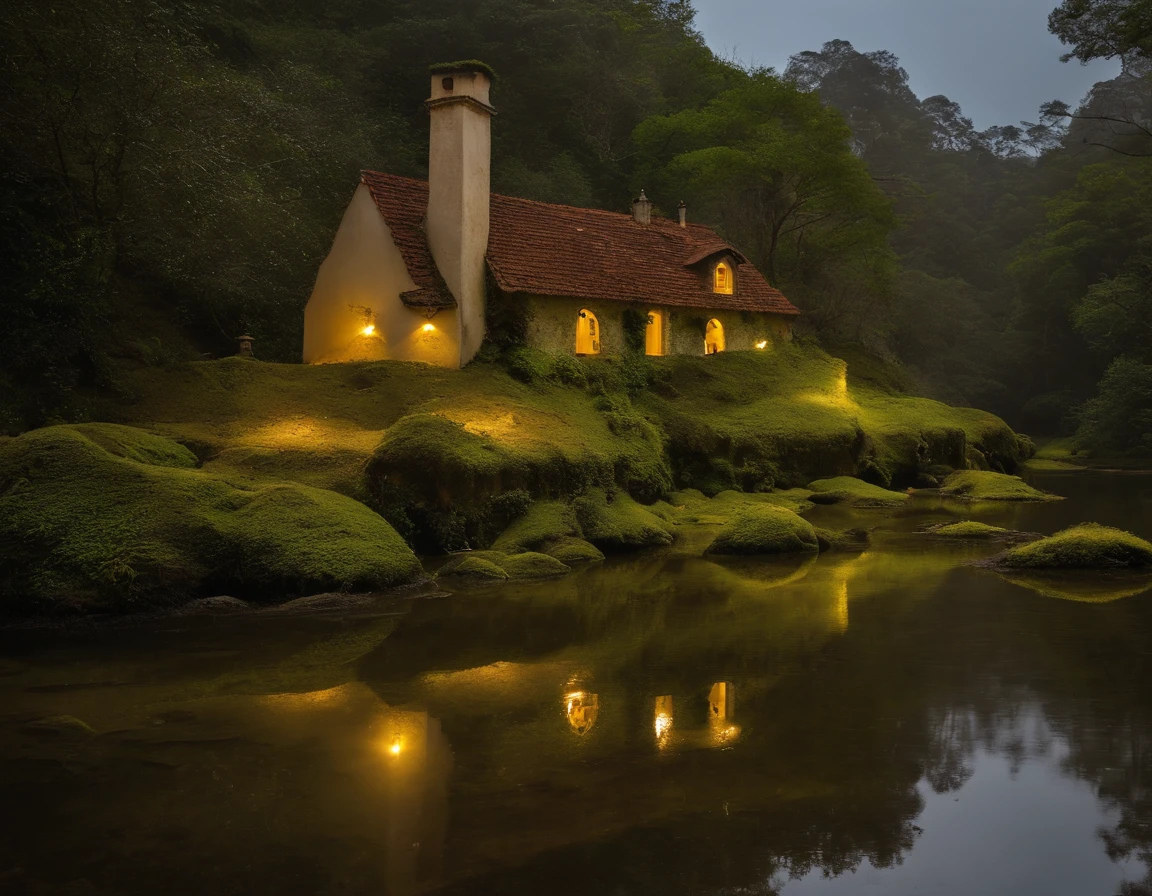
(419, 269)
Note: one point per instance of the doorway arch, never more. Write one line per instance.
(587, 333)
(654, 334)
(713, 337)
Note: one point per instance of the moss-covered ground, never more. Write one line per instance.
(109, 516)
(847, 490)
(982, 485)
(765, 530)
(1087, 546)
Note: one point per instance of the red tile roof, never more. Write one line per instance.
(560, 250)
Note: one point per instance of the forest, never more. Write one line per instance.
(173, 174)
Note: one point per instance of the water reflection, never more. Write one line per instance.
(725, 730)
(582, 710)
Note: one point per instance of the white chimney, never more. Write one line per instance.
(642, 209)
(683, 209)
(459, 186)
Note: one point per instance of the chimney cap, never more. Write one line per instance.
(463, 65)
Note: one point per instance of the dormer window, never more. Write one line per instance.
(722, 281)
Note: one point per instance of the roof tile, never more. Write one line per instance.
(560, 250)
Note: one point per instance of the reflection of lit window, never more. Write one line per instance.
(663, 720)
(581, 710)
(395, 748)
(721, 705)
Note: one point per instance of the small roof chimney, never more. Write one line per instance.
(642, 209)
(683, 209)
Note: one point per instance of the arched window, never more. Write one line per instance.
(587, 333)
(713, 337)
(654, 334)
(723, 281)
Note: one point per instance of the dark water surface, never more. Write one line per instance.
(886, 722)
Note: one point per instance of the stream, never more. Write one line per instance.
(889, 721)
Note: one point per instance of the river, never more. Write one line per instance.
(890, 721)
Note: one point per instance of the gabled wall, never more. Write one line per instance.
(359, 284)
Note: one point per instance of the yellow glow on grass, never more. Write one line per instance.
(368, 330)
(762, 344)
(427, 328)
(395, 748)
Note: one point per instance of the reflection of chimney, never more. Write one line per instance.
(459, 186)
(683, 209)
(642, 209)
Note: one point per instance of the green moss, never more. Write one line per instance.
(478, 567)
(765, 530)
(982, 485)
(968, 529)
(78, 523)
(499, 565)
(544, 521)
(1082, 587)
(846, 490)
(136, 444)
(531, 565)
(616, 521)
(574, 550)
(1087, 546)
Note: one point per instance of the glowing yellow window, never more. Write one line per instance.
(654, 334)
(723, 281)
(587, 333)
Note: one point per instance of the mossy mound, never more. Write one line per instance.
(1087, 546)
(544, 521)
(968, 529)
(982, 485)
(574, 550)
(111, 518)
(498, 565)
(475, 567)
(847, 490)
(765, 530)
(615, 521)
(531, 565)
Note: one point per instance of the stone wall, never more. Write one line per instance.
(551, 326)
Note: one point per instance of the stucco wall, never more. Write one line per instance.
(359, 283)
(551, 326)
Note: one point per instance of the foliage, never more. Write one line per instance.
(1087, 546)
(1119, 417)
(107, 517)
(1103, 29)
(773, 169)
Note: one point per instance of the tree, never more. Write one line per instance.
(773, 169)
(1103, 29)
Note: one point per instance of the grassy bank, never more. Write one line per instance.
(439, 452)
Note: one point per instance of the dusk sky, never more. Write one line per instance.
(995, 57)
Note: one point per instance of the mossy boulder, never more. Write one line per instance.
(614, 521)
(983, 485)
(532, 565)
(498, 565)
(766, 529)
(112, 517)
(847, 490)
(574, 550)
(544, 521)
(1087, 546)
(474, 567)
